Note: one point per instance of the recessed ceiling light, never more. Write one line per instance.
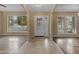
(38, 5)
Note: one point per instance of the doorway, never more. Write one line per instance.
(41, 26)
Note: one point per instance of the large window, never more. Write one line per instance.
(66, 25)
(17, 24)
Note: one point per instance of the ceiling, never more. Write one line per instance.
(67, 8)
(11, 7)
(42, 8)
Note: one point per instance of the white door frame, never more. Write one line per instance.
(35, 23)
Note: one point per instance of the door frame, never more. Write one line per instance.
(48, 23)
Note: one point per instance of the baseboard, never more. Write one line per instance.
(66, 36)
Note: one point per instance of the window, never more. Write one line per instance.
(17, 24)
(66, 25)
(60, 25)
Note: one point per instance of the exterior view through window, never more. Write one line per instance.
(66, 25)
(17, 24)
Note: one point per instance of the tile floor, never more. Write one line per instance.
(68, 45)
(25, 45)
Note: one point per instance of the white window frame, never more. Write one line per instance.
(64, 28)
(16, 31)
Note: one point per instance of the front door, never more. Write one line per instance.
(41, 26)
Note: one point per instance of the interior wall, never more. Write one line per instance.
(30, 20)
(0, 23)
(4, 23)
(65, 14)
(52, 26)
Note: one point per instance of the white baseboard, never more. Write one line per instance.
(65, 36)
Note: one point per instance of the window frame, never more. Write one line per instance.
(16, 31)
(64, 20)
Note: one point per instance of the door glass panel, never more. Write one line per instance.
(41, 26)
